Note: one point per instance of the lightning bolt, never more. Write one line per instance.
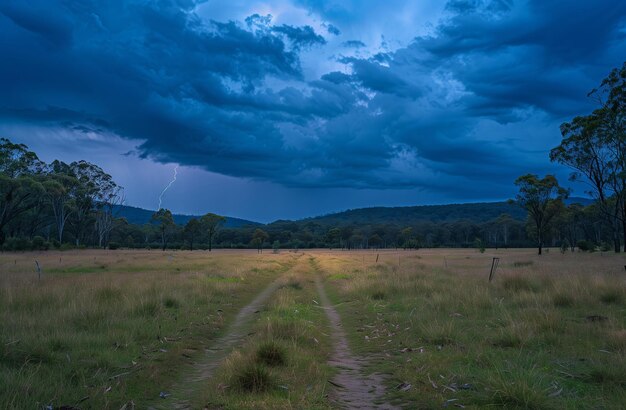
(168, 187)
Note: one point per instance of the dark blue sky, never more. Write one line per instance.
(291, 108)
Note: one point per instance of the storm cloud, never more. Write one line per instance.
(467, 105)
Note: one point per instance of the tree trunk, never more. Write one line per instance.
(210, 243)
(624, 228)
(540, 247)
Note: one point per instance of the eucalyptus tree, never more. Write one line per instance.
(110, 196)
(20, 182)
(594, 146)
(259, 237)
(94, 185)
(60, 187)
(211, 223)
(165, 222)
(542, 198)
(192, 229)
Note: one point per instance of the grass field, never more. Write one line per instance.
(108, 329)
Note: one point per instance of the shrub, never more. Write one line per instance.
(294, 285)
(379, 295)
(114, 245)
(585, 246)
(171, 302)
(270, 354)
(254, 378)
(40, 244)
(611, 296)
(480, 245)
(17, 244)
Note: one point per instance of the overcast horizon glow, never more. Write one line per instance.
(284, 109)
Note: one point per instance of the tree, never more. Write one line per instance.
(568, 222)
(332, 237)
(542, 198)
(594, 146)
(95, 189)
(375, 240)
(20, 182)
(108, 201)
(60, 190)
(406, 235)
(166, 225)
(192, 229)
(504, 221)
(211, 223)
(258, 239)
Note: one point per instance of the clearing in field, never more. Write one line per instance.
(316, 329)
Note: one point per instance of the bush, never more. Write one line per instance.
(480, 245)
(17, 244)
(114, 245)
(270, 354)
(254, 378)
(171, 303)
(585, 246)
(40, 244)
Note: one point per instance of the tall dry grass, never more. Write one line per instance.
(101, 329)
(548, 332)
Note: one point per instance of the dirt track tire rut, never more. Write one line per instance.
(352, 389)
(220, 348)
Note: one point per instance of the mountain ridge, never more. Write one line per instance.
(399, 215)
(140, 216)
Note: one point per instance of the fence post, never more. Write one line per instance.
(494, 266)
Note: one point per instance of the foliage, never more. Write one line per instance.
(542, 198)
(163, 219)
(258, 239)
(594, 147)
(211, 223)
(586, 246)
(192, 229)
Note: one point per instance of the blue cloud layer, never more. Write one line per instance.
(466, 107)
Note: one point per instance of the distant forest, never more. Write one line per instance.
(59, 205)
(63, 206)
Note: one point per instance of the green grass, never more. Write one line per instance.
(522, 341)
(121, 333)
(104, 329)
(283, 363)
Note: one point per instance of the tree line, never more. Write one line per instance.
(44, 205)
(594, 148)
(61, 205)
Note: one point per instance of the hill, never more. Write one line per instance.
(141, 216)
(404, 215)
(407, 215)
